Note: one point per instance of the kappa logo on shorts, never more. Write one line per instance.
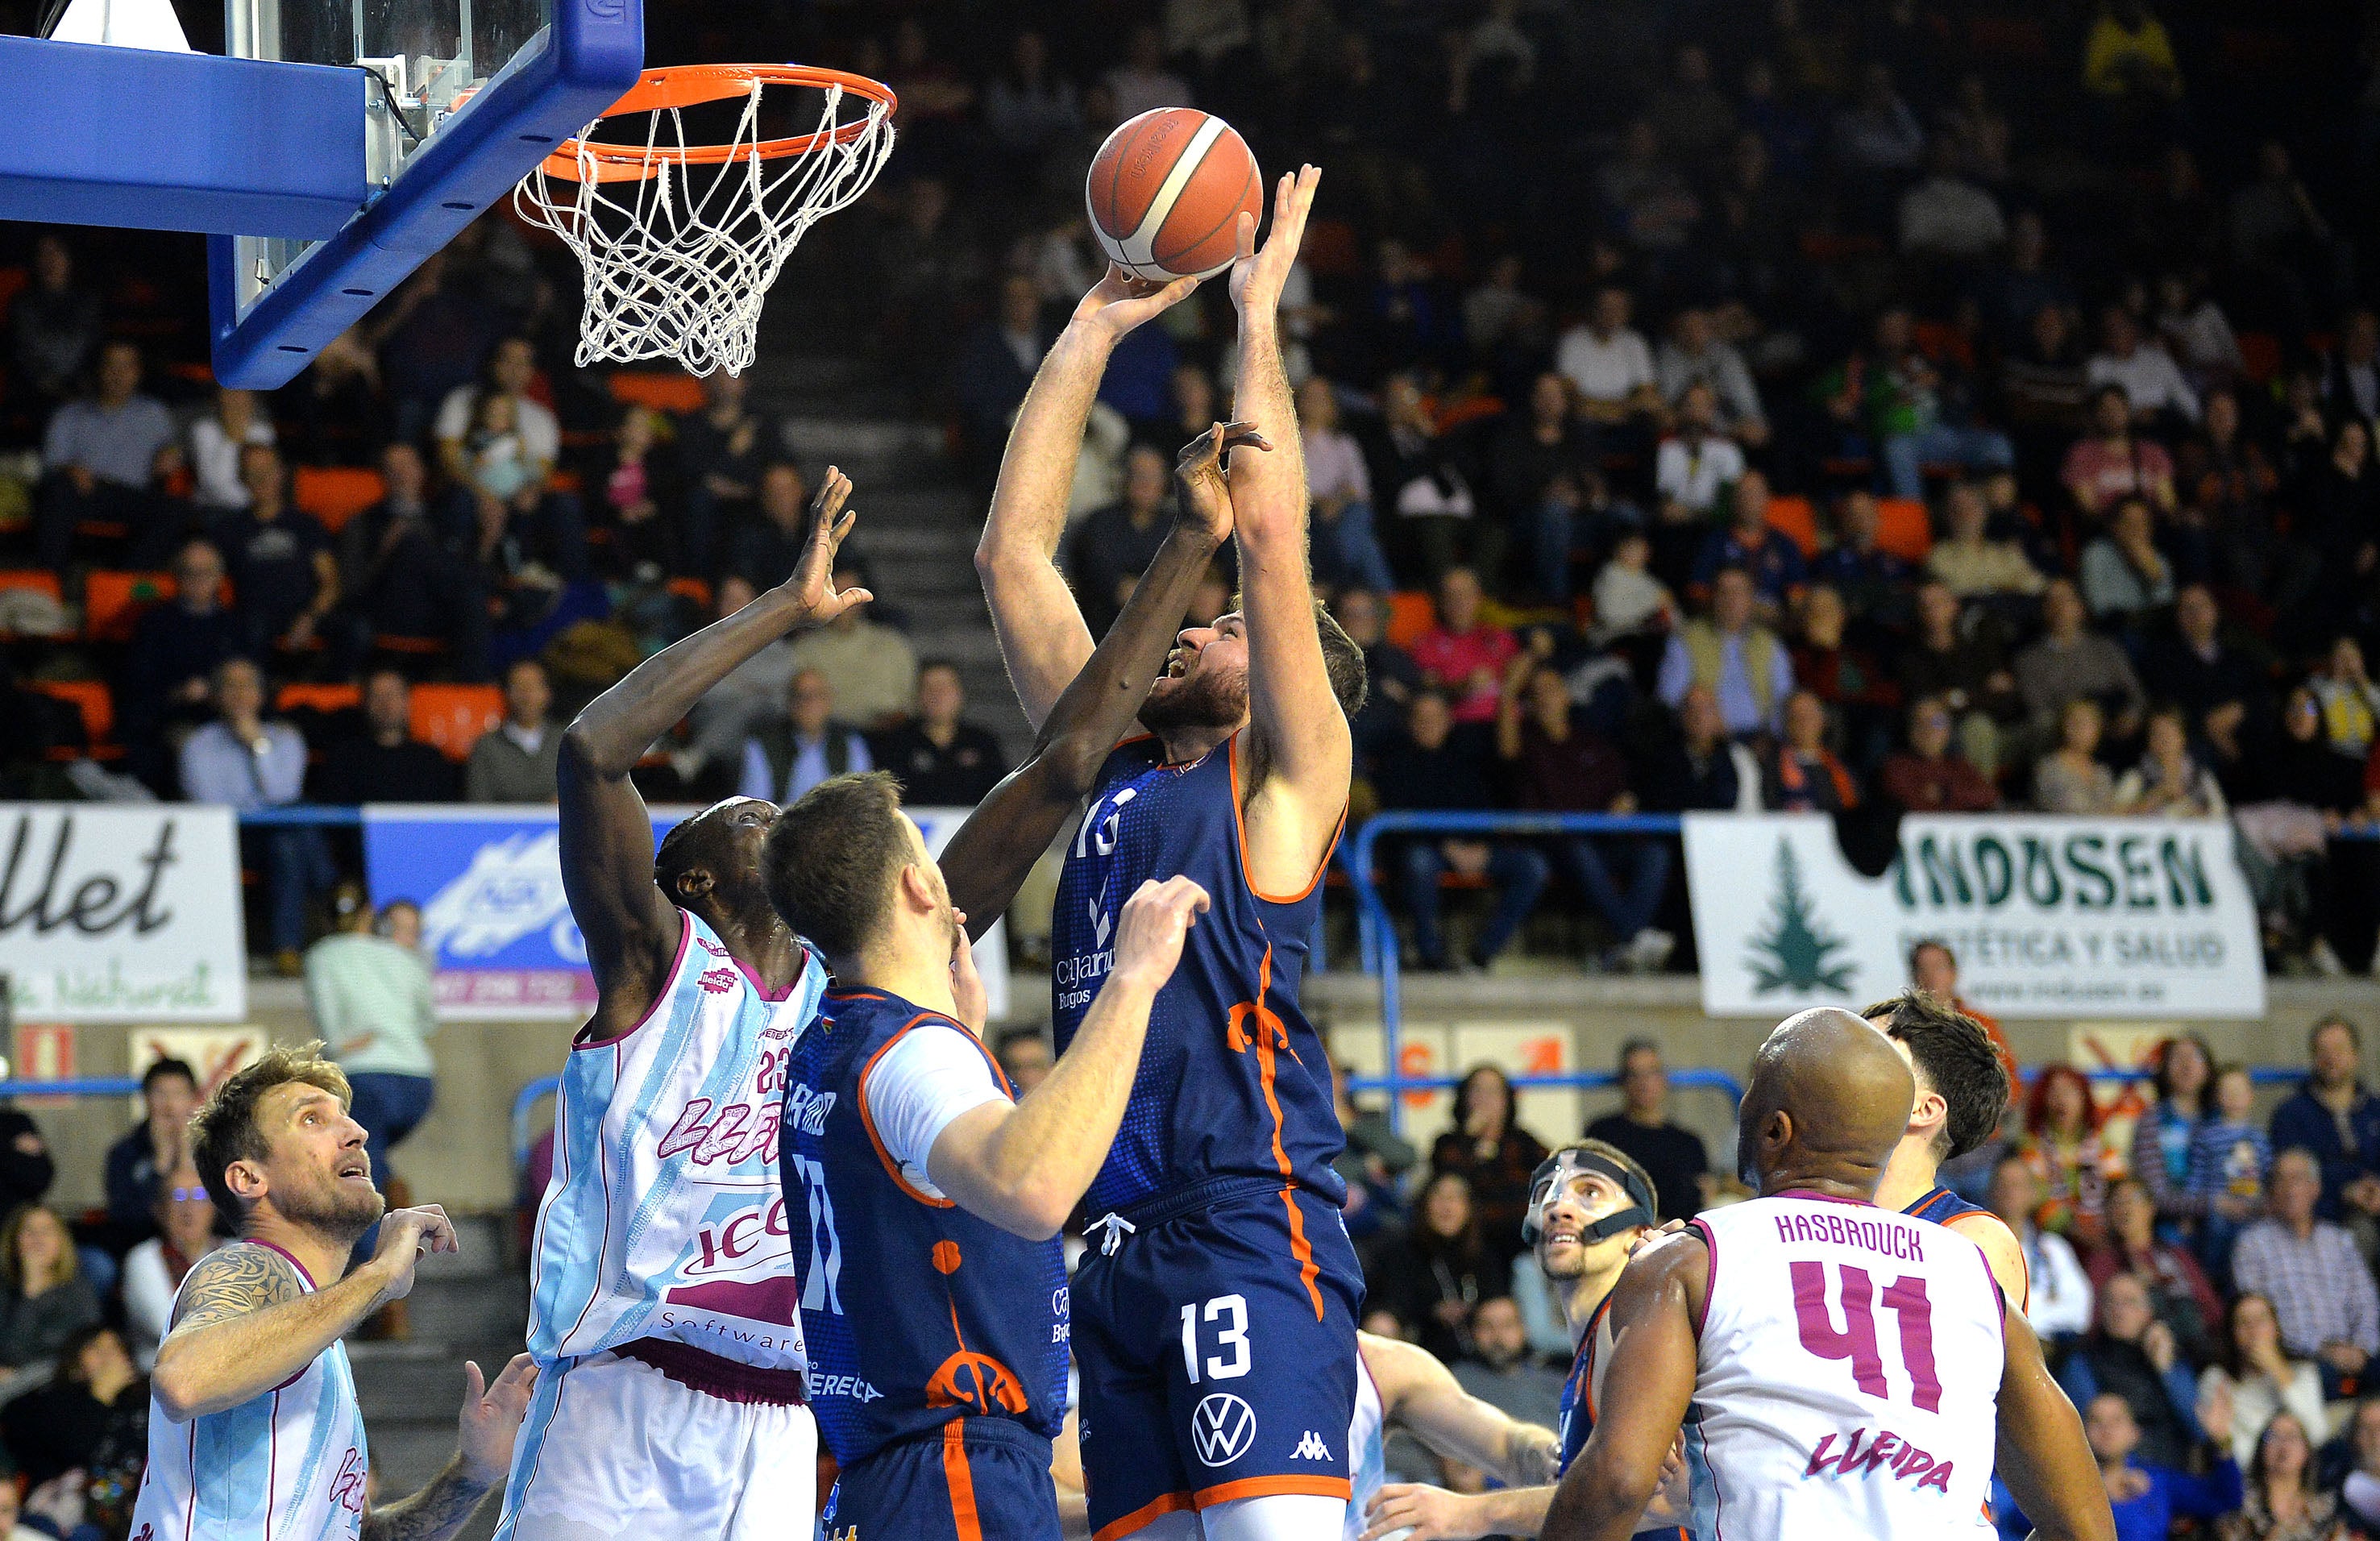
(1311, 1448)
(1222, 1428)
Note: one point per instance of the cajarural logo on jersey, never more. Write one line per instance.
(1078, 976)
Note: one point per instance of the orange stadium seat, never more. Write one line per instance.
(112, 601)
(336, 493)
(659, 389)
(34, 578)
(323, 698)
(1410, 614)
(1904, 529)
(453, 717)
(97, 704)
(1796, 520)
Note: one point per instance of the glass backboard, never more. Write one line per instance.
(461, 98)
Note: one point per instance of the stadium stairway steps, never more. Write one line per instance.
(918, 518)
(467, 1304)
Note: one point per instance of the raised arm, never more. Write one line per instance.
(491, 1420)
(2044, 1457)
(1042, 638)
(1023, 1166)
(243, 1324)
(1646, 1390)
(1301, 751)
(990, 855)
(607, 837)
(1423, 1396)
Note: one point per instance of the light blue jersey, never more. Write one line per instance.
(287, 1465)
(664, 1220)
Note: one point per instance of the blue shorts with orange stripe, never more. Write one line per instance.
(979, 1479)
(1215, 1332)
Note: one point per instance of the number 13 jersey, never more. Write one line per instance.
(1848, 1379)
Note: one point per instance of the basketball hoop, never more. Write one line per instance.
(679, 242)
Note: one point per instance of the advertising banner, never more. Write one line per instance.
(121, 914)
(2047, 916)
(494, 918)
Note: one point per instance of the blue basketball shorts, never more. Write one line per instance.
(1217, 1348)
(979, 1479)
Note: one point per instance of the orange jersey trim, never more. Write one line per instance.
(1240, 833)
(961, 1478)
(1269, 1487)
(1146, 1515)
(868, 1121)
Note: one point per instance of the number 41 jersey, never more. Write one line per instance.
(1848, 1379)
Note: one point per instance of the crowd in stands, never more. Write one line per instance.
(2201, 1272)
(1847, 409)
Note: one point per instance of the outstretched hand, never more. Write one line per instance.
(1119, 302)
(812, 583)
(492, 1417)
(1258, 277)
(1206, 496)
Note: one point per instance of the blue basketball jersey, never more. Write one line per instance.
(1941, 1204)
(915, 1312)
(1232, 1081)
(1576, 1420)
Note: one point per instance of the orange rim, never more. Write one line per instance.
(690, 85)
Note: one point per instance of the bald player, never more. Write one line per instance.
(1840, 1370)
(1962, 1091)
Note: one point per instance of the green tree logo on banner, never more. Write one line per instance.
(1797, 945)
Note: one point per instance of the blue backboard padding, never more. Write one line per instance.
(96, 135)
(584, 60)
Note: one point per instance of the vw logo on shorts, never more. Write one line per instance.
(1223, 1427)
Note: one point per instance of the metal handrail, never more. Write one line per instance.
(1375, 931)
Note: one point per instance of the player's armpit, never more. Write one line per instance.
(1646, 1390)
(232, 1281)
(2043, 1455)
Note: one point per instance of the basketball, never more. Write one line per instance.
(1166, 192)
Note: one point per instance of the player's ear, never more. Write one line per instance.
(1931, 1111)
(692, 885)
(246, 1179)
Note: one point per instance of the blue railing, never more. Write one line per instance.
(1376, 930)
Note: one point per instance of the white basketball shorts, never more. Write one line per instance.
(613, 1447)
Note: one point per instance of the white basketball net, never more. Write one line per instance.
(679, 260)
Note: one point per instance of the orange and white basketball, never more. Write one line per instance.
(1166, 191)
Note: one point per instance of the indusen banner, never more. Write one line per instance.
(121, 914)
(2048, 916)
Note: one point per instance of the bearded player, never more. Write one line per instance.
(1215, 1323)
(1842, 1370)
(1962, 1091)
(1590, 1204)
(254, 1433)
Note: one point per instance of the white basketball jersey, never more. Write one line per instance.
(665, 1219)
(1366, 1450)
(1848, 1379)
(287, 1465)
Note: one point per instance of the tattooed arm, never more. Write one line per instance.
(245, 1324)
(491, 1416)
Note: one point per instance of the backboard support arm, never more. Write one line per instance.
(585, 59)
